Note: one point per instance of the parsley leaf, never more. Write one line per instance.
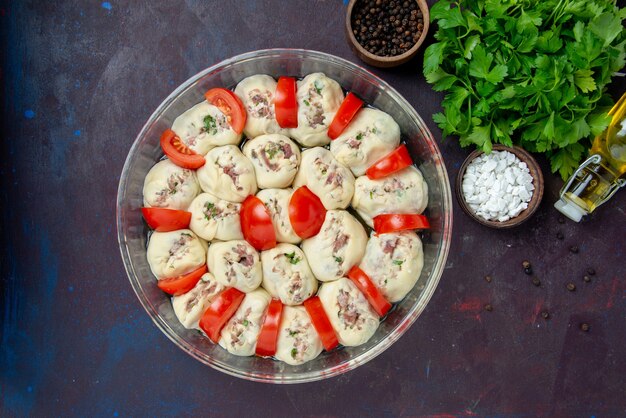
(480, 66)
(210, 125)
(584, 81)
(271, 149)
(210, 211)
(607, 26)
(318, 86)
(293, 258)
(433, 56)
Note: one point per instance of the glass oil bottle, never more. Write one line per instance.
(600, 176)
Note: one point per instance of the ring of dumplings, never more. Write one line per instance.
(271, 162)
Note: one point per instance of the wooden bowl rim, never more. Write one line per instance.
(396, 58)
(533, 205)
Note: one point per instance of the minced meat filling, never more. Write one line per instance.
(314, 110)
(174, 182)
(268, 153)
(218, 211)
(239, 326)
(245, 259)
(348, 311)
(298, 332)
(191, 303)
(260, 104)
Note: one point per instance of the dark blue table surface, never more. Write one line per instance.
(78, 81)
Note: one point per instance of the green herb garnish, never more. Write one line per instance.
(293, 258)
(318, 87)
(338, 259)
(530, 73)
(172, 189)
(210, 212)
(371, 194)
(210, 125)
(245, 323)
(359, 136)
(293, 333)
(306, 102)
(294, 353)
(374, 130)
(398, 262)
(271, 150)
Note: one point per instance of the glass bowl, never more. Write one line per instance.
(145, 152)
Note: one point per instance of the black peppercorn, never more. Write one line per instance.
(584, 327)
(586, 279)
(536, 281)
(573, 249)
(488, 307)
(545, 315)
(571, 287)
(591, 271)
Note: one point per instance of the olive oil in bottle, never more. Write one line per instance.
(602, 174)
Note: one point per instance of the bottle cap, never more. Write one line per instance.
(569, 209)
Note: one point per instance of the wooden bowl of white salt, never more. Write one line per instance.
(502, 189)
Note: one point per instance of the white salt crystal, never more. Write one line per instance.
(490, 165)
(523, 194)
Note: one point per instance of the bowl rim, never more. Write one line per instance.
(399, 329)
(535, 200)
(423, 6)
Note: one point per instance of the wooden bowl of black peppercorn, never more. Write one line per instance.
(386, 33)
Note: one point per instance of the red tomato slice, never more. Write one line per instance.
(391, 163)
(182, 284)
(178, 152)
(266, 343)
(350, 105)
(321, 323)
(165, 220)
(369, 289)
(256, 224)
(306, 212)
(397, 222)
(230, 105)
(285, 103)
(219, 312)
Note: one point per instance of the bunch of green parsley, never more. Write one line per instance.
(529, 72)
